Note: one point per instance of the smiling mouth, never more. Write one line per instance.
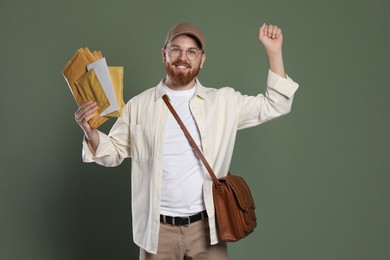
(182, 67)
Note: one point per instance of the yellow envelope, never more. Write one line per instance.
(90, 88)
(85, 85)
(75, 68)
(116, 74)
(97, 55)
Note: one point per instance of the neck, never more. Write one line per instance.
(174, 86)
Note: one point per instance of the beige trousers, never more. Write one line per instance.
(186, 242)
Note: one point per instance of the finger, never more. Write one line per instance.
(262, 30)
(85, 110)
(269, 30)
(279, 33)
(274, 31)
(87, 106)
(82, 106)
(77, 116)
(89, 117)
(86, 117)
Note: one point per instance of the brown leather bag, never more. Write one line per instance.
(234, 207)
(233, 201)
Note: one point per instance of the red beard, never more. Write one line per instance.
(181, 78)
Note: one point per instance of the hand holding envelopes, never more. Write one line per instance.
(89, 78)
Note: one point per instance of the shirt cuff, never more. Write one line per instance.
(285, 86)
(87, 152)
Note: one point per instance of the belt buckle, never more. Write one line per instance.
(188, 222)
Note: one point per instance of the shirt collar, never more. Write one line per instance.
(199, 92)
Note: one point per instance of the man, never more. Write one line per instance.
(172, 205)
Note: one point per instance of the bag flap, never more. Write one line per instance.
(241, 191)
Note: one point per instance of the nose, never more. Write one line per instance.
(183, 55)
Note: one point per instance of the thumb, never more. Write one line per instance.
(262, 31)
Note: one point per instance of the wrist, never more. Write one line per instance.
(275, 54)
(92, 138)
(90, 134)
(276, 63)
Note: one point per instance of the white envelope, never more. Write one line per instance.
(103, 75)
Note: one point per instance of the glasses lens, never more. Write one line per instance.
(191, 54)
(175, 52)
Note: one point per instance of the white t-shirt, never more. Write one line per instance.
(183, 172)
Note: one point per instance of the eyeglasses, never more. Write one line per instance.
(191, 53)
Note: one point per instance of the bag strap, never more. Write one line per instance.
(190, 139)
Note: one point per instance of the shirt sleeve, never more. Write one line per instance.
(285, 86)
(113, 148)
(87, 154)
(276, 101)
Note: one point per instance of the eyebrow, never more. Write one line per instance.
(175, 45)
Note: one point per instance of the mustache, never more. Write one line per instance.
(181, 63)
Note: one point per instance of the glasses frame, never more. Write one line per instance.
(198, 51)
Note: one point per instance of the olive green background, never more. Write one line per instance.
(320, 175)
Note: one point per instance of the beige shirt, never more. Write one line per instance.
(139, 134)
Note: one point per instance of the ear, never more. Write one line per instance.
(202, 60)
(163, 54)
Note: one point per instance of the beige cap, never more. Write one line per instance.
(186, 28)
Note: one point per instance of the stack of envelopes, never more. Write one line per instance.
(89, 78)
